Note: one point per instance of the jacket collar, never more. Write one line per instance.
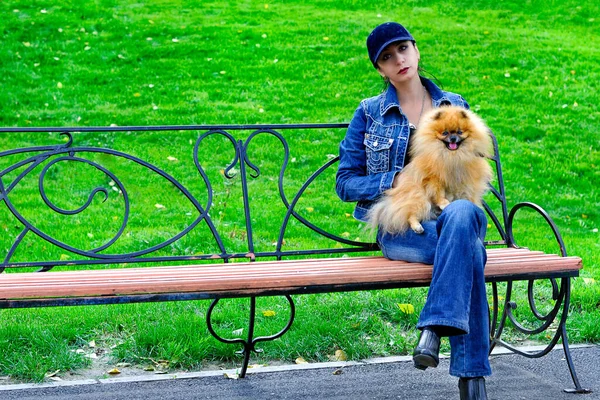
(389, 99)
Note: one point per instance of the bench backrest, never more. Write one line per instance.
(183, 193)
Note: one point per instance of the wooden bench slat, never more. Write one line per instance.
(250, 277)
(492, 270)
(247, 269)
(493, 254)
(322, 265)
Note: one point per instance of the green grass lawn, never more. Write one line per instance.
(530, 69)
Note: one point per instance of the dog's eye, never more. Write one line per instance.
(445, 133)
(459, 132)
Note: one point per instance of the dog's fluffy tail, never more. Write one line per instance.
(382, 215)
(392, 211)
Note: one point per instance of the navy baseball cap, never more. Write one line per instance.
(382, 36)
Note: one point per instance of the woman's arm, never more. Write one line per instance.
(352, 181)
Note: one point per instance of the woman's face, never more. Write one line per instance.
(399, 62)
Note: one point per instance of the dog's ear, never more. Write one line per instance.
(463, 114)
(438, 115)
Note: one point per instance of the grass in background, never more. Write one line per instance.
(528, 68)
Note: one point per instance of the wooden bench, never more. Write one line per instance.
(101, 277)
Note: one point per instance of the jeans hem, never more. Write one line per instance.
(458, 374)
(458, 325)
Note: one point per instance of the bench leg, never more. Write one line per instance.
(562, 297)
(249, 344)
(578, 389)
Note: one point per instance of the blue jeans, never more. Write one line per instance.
(456, 303)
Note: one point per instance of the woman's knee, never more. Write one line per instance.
(464, 210)
(410, 246)
(463, 213)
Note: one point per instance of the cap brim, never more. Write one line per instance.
(386, 44)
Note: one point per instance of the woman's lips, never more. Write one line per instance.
(404, 70)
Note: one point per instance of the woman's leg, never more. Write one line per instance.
(410, 246)
(456, 304)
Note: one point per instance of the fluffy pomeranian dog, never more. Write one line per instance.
(448, 155)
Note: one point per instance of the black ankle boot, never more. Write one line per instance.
(427, 352)
(472, 388)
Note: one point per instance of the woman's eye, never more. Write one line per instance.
(386, 57)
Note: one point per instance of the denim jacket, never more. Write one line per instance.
(375, 146)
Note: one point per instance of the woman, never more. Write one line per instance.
(372, 156)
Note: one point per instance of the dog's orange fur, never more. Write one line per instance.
(437, 175)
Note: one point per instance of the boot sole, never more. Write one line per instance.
(423, 361)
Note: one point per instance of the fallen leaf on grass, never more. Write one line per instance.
(301, 360)
(406, 308)
(238, 332)
(114, 371)
(340, 355)
(269, 313)
(52, 374)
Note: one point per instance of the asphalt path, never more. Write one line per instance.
(515, 377)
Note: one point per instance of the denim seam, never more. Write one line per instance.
(483, 372)
(462, 326)
(386, 182)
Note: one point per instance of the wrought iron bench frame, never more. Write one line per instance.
(52, 154)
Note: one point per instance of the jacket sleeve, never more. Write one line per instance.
(352, 181)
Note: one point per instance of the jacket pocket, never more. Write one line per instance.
(378, 153)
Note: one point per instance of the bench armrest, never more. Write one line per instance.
(543, 213)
